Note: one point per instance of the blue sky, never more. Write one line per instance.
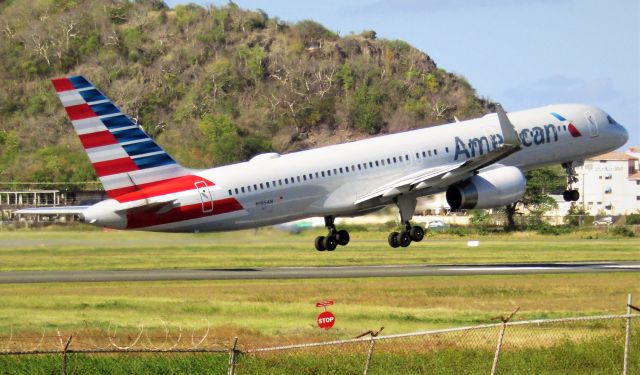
(519, 53)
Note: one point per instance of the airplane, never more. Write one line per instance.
(479, 163)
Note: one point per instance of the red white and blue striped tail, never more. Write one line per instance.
(124, 157)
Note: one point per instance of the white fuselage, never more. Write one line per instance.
(329, 180)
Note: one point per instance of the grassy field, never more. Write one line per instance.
(56, 250)
(278, 310)
(272, 312)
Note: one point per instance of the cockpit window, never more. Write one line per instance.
(611, 120)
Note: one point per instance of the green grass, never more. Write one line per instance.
(273, 311)
(56, 250)
(601, 356)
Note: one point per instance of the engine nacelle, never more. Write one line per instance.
(496, 187)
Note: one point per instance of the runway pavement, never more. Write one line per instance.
(315, 272)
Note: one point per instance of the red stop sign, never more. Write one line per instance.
(326, 320)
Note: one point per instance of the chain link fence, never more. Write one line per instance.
(593, 344)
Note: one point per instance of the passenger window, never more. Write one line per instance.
(255, 187)
(242, 189)
(236, 190)
(322, 173)
(317, 175)
(388, 160)
(286, 181)
(417, 155)
(261, 186)
(298, 178)
(359, 168)
(424, 154)
(435, 152)
(340, 169)
(394, 159)
(377, 164)
(280, 182)
(304, 177)
(310, 176)
(329, 172)
(429, 152)
(446, 149)
(230, 192)
(370, 165)
(406, 157)
(249, 188)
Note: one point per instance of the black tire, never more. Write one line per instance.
(566, 195)
(330, 243)
(404, 238)
(416, 233)
(574, 195)
(320, 243)
(343, 237)
(393, 240)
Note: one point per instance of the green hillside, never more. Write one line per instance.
(214, 85)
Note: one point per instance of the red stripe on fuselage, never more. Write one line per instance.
(106, 168)
(79, 112)
(62, 84)
(114, 193)
(164, 187)
(97, 139)
(142, 217)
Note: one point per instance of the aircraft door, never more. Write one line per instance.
(592, 123)
(205, 196)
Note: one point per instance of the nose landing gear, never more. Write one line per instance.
(333, 238)
(570, 195)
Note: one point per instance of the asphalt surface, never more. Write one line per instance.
(315, 272)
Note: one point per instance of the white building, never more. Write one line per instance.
(609, 184)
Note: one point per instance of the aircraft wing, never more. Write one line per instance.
(59, 210)
(450, 173)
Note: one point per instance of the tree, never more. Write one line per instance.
(540, 183)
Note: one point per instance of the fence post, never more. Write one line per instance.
(372, 344)
(232, 357)
(64, 356)
(627, 337)
(369, 356)
(503, 328)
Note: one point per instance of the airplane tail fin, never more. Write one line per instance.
(124, 157)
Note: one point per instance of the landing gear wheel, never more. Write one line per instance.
(393, 239)
(571, 195)
(575, 195)
(404, 238)
(416, 233)
(330, 243)
(320, 243)
(343, 237)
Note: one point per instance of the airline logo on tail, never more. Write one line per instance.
(572, 129)
(123, 155)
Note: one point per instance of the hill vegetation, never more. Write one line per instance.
(214, 85)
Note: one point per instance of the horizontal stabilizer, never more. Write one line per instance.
(59, 210)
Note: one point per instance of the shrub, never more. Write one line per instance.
(621, 231)
(633, 219)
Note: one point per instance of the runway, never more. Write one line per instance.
(315, 272)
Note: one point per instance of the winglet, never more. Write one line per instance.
(509, 132)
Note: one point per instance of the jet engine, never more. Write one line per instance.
(488, 189)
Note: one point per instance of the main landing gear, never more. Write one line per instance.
(407, 206)
(333, 238)
(570, 195)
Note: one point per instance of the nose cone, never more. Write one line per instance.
(619, 135)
